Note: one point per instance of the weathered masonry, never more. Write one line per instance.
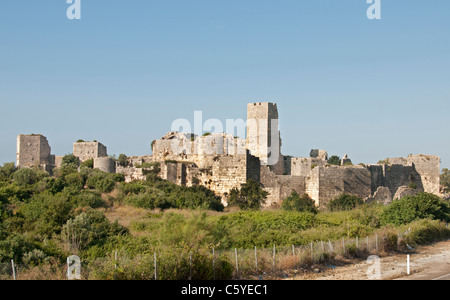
(222, 162)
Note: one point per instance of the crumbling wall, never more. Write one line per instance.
(326, 183)
(428, 168)
(302, 166)
(280, 187)
(131, 173)
(89, 150)
(105, 164)
(34, 150)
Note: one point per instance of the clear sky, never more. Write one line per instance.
(369, 88)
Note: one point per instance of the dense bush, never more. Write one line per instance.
(334, 160)
(7, 170)
(344, 202)
(426, 231)
(296, 203)
(262, 229)
(88, 229)
(412, 208)
(163, 195)
(28, 176)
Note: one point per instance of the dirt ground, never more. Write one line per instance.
(426, 262)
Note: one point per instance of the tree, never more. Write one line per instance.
(70, 160)
(88, 163)
(26, 176)
(334, 160)
(7, 170)
(251, 196)
(345, 202)
(122, 160)
(445, 179)
(301, 204)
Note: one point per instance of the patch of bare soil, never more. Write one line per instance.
(426, 262)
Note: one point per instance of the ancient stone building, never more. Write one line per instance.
(89, 150)
(263, 135)
(34, 150)
(222, 162)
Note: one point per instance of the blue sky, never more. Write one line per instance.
(369, 88)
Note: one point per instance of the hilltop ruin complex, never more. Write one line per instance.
(222, 162)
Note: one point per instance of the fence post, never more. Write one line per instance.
(237, 266)
(368, 247)
(357, 244)
(256, 259)
(273, 258)
(115, 260)
(13, 269)
(343, 245)
(190, 265)
(376, 241)
(407, 265)
(214, 265)
(155, 265)
(312, 253)
(331, 246)
(293, 254)
(323, 248)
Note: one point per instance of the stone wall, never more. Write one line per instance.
(33, 150)
(131, 173)
(326, 183)
(280, 187)
(89, 150)
(428, 167)
(105, 164)
(302, 166)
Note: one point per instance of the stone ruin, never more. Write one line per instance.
(222, 162)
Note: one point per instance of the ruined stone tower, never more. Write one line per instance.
(263, 136)
(34, 150)
(89, 150)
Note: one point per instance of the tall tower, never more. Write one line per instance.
(34, 150)
(263, 135)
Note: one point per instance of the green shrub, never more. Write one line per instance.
(89, 199)
(88, 164)
(70, 161)
(26, 176)
(15, 193)
(251, 196)
(296, 203)
(14, 247)
(334, 160)
(412, 208)
(105, 185)
(122, 160)
(89, 228)
(426, 231)
(345, 202)
(7, 171)
(262, 229)
(75, 181)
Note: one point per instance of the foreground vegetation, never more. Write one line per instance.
(44, 219)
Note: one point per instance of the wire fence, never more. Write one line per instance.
(247, 263)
